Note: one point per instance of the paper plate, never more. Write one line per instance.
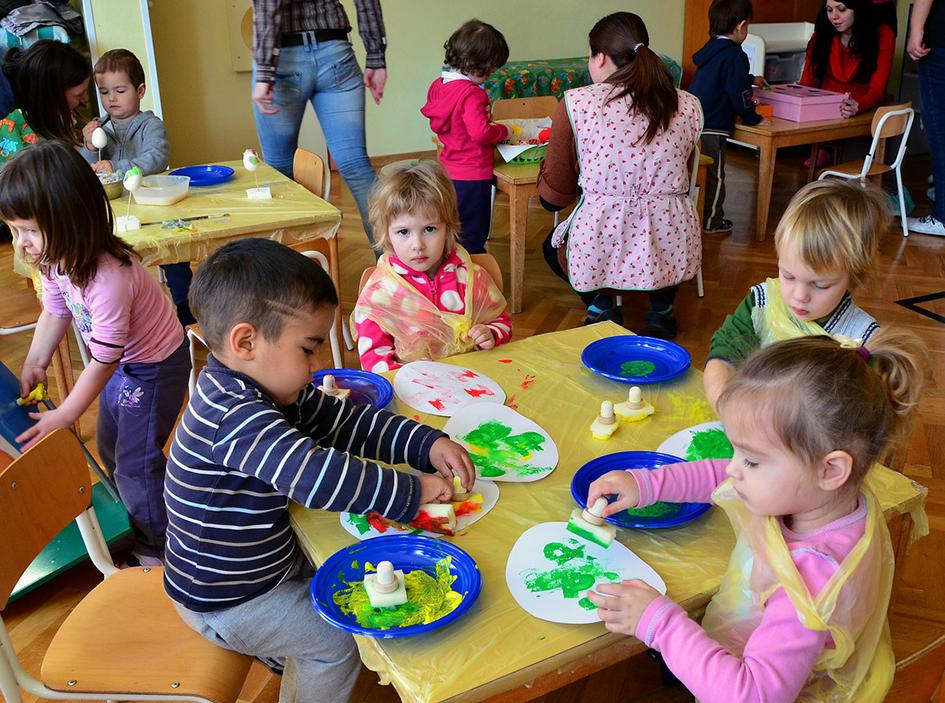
(356, 525)
(366, 388)
(550, 571)
(705, 441)
(620, 461)
(406, 552)
(209, 175)
(503, 444)
(635, 359)
(442, 389)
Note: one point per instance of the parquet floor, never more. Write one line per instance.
(732, 263)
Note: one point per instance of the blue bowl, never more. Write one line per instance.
(609, 356)
(209, 175)
(366, 388)
(620, 461)
(407, 552)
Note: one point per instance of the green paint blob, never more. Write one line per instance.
(496, 451)
(637, 368)
(587, 604)
(428, 599)
(360, 523)
(575, 572)
(709, 444)
(658, 509)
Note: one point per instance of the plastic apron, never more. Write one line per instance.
(851, 606)
(775, 322)
(420, 329)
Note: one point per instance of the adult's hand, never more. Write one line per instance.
(916, 47)
(262, 96)
(849, 108)
(374, 80)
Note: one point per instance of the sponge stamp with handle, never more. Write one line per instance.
(386, 588)
(589, 524)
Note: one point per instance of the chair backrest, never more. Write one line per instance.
(487, 261)
(525, 108)
(41, 492)
(308, 170)
(891, 121)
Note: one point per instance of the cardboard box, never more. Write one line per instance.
(799, 103)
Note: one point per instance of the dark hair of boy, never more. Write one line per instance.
(725, 15)
(121, 61)
(52, 184)
(40, 77)
(476, 49)
(258, 281)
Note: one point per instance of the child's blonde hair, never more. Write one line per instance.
(418, 186)
(835, 224)
(821, 397)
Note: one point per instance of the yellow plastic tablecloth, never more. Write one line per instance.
(497, 638)
(293, 215)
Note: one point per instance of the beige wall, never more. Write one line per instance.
(206, 103)
(118, 24)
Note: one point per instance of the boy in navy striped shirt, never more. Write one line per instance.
(257, 433)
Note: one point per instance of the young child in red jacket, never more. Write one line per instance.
(458, 110)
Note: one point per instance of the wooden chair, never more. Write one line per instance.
(889, 121)
(124, 639)
(308, 170)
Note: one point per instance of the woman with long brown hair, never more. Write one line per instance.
(622, 146)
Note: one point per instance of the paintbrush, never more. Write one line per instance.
(186, 219)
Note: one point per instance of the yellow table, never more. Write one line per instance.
(497, 648)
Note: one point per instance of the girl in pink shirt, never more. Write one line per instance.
(801, 612)
(459, 114)
(426, 299)
(62, 222)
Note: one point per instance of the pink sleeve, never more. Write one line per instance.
(53, 302)
(778, 657)
(476, 118)
(692, 481)
(502, 328)
(108, 298)
(375, 347)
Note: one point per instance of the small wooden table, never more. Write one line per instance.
(770, 135)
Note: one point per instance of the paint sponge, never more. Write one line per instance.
(606, 423)
(385, 589)
(635, 408)
(436, 517)
(330, 387)
(591, 526)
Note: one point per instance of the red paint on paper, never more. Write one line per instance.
(437, 403)
(468, 373)
(421, 383)
(478, 392)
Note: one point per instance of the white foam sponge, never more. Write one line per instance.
(385, 589)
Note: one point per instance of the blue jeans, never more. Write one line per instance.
(932, 92)
(328, 75)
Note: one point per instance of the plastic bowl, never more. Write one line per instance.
(112, 185)
(162, 190)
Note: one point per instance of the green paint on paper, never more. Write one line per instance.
(495, 450)
(574, 573)
(709, 444)
(637, 368)
(658, 509)
(586, 603)
(360, 523)
(428, 599)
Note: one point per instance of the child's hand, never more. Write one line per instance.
(30, 377)
(760, 82)
(87, 134)
(103, 166)
(435, 489)
(46, 423)
(482, 336)
(451, 459)
(614, 482)
(621, 605)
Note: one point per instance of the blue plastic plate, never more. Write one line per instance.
(209, 175)
(407, 552)
(621, 461)
(614, 357)
(366, 388)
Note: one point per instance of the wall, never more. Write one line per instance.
(206, 103)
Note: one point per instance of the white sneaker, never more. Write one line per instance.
(927, 225)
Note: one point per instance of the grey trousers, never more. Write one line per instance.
(714, 145)
(282, 629)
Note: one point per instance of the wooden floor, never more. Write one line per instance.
(732, 263)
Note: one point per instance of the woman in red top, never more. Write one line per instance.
(850, 52)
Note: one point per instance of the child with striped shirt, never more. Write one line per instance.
(256, 434)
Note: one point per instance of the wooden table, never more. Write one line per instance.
(497, 651)
(771, 135)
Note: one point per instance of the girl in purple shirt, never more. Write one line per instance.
(62, 222)
(801, 612)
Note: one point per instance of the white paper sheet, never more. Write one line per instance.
(442, 389)
(550, 571)
(504, 445)
(530, 128)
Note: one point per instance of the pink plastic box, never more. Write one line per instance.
(799, 103)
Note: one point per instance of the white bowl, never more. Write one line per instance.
(162, 190)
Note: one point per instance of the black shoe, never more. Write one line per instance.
(724, 227)
(612, 314)
(661, 325)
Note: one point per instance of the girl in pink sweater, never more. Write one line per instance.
(801, 612)
(426, 299)
(458, 110)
